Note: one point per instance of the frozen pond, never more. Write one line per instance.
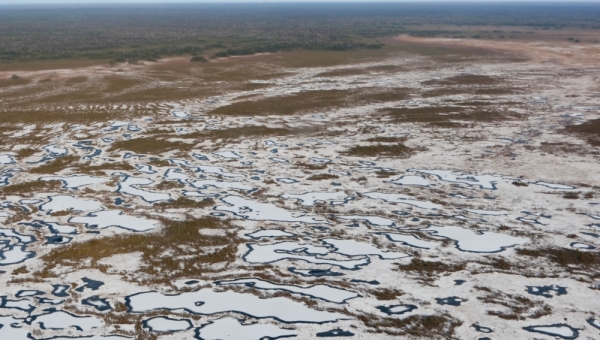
(6, 159)
(207, 302)
(268, 253)
(231, 329)
(562, 331)
(411, 180)
(402, 199)
(256, 211)
(63, 202)
(397, 309)
(107, 218)
(127, 187)
(323, 292)
(166, 324)
(476, 241)
(555, 186)
(73, 182)
(311, 198)
(411, 240)
(10, 329)
(62, 320)
(14, 254)
(55, 150)
(269, 233)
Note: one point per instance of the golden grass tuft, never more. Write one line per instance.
(178, 250)
(31, 186)
(55, 165)
(398, 150)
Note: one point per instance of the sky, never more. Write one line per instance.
(16, 2)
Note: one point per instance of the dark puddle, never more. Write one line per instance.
(315, 272)
(373, 282)
(90, 284)
(451, 301)
(397, 309)
(334, 333)
(482, 329)
(97, 302)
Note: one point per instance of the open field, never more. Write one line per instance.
(401, 177)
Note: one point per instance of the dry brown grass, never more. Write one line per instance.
(26, 152)
(517, 307)
(418, 326)
(445, 116)
(589, 129)
(31, 186)
(185, 203)
(430, 267)
(565, 257)
(310, 101)
(321, 177)
(55, 165)
(178, 250)
(398, 150)
(149, 145)
(386, 294)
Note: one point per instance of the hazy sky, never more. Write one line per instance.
(263, 1)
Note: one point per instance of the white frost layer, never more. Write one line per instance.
(75, 181)
(310, 198)
(257, 211)
(230, 329)
(402, 199)
(127, 187)
(6, 159)
(487, 212)
(411, 180)
(106, 218)
(373, 220)
(63, 202)
(8, 331)
(484, 181)
(412, 240)
(479, 242)
(221, 185)
(267, 253)
(355, 248)
(270, 233)
(558, 330)
(163, 324)
(319, 291)
(206, 301)
(62, 320)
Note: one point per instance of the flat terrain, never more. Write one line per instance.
(434, 187)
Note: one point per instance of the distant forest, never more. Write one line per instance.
(152, 31)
